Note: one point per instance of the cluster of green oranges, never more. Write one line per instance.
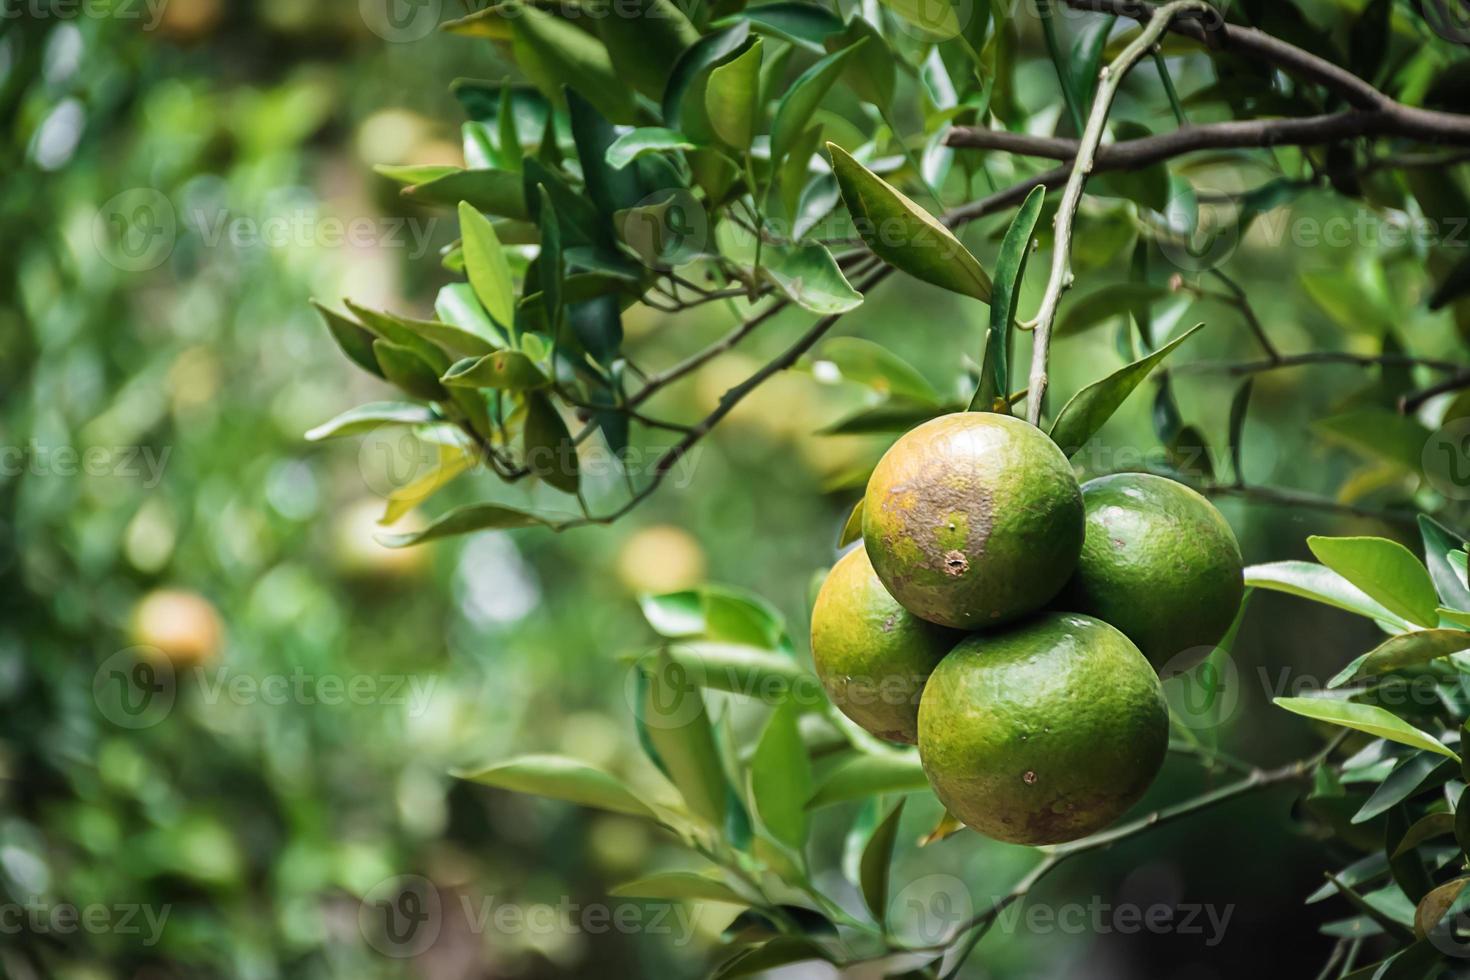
(1013, 623)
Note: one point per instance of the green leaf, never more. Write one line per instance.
(876, 861)
(1410, 650)
(555, 52)
(1427, 827)
(709, 51)
(1239, 407)
(549, 451)
(937, 20)
(1439, 543)
(487, 267)
(870, 775)
(800, 22)
(871, 74)
(355, 340)
(796, 107)
(512, 151)
(407, 371)
(853, 529)
(1462, 821)
(645, 38)
(560, 778)
(394, 330)
(905, 235)
(651, 139)
(466, 520)
(549, 263)
(1408, 869)
(1386, 571)
(994, 391)
(1086, 412)
(497, 192)
(1320, 584)
(610, 188)
(677, 726)
(366, 418)
(781, 777)
(1379, 434)
(781, 951)
(458, 306)
(1405, 780)
(1365, 718)
(896, 415)
(809, 276)
(508, 370)
(732, 97)
(680, 885)
(1107, 303)
(739, 668)
(1087, 55)
(867, 363)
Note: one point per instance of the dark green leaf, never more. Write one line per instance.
(555, 52)
(406, 370)
(465, 520)
(876, 860)
(796, 107)
(1439, 542)
(1239, 409)
(1408, 869)
(1427, 827)
(994, 391)
(1102, 305)
(611, 188)
(549, 450)
(356, 342)
(634, 143)
(709, 51)
(780, 951)
(1405, 780)
(645, 38)
(1087, 55)
(497, 192)
(798, 21)
(1086, 412)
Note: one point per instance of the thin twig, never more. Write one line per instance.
(1110, 79)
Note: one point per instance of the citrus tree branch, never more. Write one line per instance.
(1111, 77)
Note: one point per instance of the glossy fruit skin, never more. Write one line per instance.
(973, 520)
(1043, 733)
(1161, 564)
(871, 654)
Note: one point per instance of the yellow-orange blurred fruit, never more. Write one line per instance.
(182, 625)
(659, 559)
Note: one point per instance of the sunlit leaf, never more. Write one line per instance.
(1386, 571)
(466, 520)
(367, 418)
(680, 885)
(732, 97)
(781, 778)
(993, 393)
(560, 778)
(801, 100)
(870, 775)
(905, 235)
(487, 267)
(1320, 584)
(1087, 410)
(809, 276)
(507, 369)
(1365, 718)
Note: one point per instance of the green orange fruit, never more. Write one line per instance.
(871, 654)
(1161, 564)
(973, 520)
(1043, 733)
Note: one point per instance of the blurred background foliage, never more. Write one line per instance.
(259, 826)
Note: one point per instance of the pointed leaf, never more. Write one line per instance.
(781, 777)
(867, 363)
(853, 529)
(406, 370)
(366, 418)
(905, 235)
(710, 50)
(1385, 570)
(497, 192)
(355, 340)
(732, 98)
(809, 276)
(680, 885)
(939, 21)
(677, 727)
(1439, 543)
(870, 775)
(486, 265)
(1320, 584)
(876, 861)
(993, 394)
(560, 778)
(1365, 718)
(1086, 412)
(549, 451)
(556, 52)
(1432, 907)
(801, 100)
(652, 139)
(466, 520)
(508, 370)
(1411, 650)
